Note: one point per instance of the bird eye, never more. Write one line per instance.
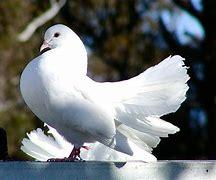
(56, 34)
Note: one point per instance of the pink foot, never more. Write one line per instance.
(74, 156)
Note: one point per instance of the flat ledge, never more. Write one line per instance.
(108, 170)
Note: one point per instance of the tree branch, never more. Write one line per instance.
(188, 6)
(168, 36)
(173, 42)
(40, 20)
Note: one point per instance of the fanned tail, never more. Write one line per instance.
(157, 91)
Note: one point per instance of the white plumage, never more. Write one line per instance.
(120, 115)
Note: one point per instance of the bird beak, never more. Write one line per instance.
(44, 46)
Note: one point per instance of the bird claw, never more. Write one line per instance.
(64, 159)
(73, 157)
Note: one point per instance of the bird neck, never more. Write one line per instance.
(74, 60)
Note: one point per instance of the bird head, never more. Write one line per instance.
(62, 39)
(60, 35)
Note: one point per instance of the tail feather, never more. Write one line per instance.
(143, 140)
(43, 147)
(34, 150)
(152, 125)
(157, 91)
(150, 135)
(97, 152)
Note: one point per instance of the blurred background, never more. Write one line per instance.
(123, 38)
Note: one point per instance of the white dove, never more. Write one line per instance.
(120, 115)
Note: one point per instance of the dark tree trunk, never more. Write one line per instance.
(208, 88)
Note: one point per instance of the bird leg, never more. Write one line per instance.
(74, 155)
